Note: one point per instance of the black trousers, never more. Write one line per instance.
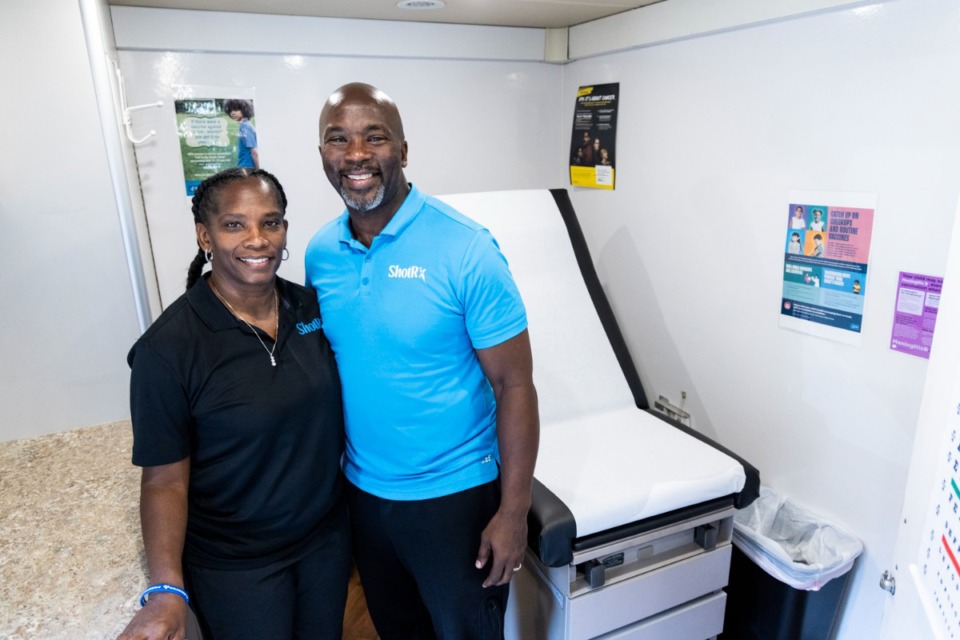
(302, 599)
(417, 565)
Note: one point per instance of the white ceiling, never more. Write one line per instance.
(508, 13)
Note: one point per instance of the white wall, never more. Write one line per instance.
(472, 124)
(679, 19)
(715, 130)
(68, 316)
(714, 133)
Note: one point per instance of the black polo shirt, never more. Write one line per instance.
(264, 442)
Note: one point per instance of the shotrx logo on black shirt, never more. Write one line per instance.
(396, 271)
(303, 328)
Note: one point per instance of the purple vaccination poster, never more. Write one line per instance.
(918, 299)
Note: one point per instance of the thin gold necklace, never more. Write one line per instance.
(276, 304)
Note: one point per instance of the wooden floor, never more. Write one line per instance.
(356, 621)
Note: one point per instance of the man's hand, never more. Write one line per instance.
(502, 545)
(509, 368)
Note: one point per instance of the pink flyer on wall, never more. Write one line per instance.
(918, 300)
(826, 257)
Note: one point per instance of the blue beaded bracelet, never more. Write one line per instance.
(163, 588)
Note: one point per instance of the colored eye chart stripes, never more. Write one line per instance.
(940, 553)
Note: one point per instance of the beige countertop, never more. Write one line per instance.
(71, 557)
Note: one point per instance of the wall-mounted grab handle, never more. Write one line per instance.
(127, 124)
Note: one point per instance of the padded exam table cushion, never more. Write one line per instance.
(627, 465)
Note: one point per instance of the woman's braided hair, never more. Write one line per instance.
(205, 202)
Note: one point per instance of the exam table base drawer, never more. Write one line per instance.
(696, 620)
(541, 612)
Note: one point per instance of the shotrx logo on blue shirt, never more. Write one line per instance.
(303, 328)
(396, 271)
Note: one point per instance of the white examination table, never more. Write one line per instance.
(632, 514)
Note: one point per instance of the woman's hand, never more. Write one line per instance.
(163, 517)
(164, 617)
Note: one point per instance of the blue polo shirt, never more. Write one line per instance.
(405, 318)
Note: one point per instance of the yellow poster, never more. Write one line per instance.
(593, 144)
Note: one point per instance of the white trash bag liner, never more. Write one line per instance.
(791, 544)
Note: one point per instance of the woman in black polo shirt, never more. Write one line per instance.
(237, 422)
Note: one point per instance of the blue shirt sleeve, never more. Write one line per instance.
(493, 309)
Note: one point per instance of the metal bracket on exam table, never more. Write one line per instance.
(663, 405)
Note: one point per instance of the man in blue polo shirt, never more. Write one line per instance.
(441, 414)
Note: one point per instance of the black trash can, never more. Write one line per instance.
(789, 572)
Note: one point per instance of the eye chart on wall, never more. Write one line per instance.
(939, 561)
(924, 579)
(928, 545)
